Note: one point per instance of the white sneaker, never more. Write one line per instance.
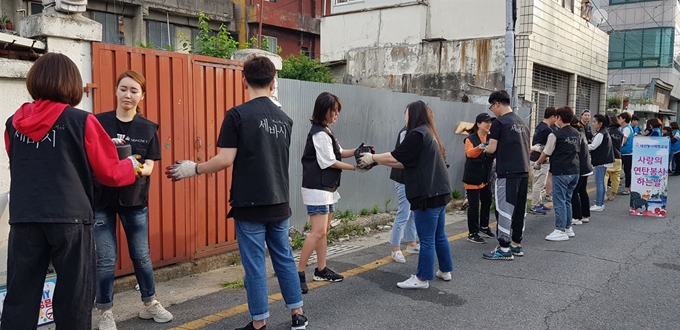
(413, 249)
(585, 220)
(398, 256)
(156, 312)
(557, 235)
(413, 283)
(446, 276)
(596, 208)
(570, 232)
(576, 222)
(106, 321)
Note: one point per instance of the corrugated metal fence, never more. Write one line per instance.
(373, 116)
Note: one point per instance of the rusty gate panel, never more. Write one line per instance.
(187, 96)
(217, 88)
(166, 103)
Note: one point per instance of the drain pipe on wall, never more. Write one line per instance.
(510, 51)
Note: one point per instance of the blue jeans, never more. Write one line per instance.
(251, 239)
(563, 189)
(404, 219)
(430, 226)
(136, 226)
(600, 171)
(320, 209)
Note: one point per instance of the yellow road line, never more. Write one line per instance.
(243, 308)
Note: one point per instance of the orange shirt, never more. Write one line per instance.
(473, 152)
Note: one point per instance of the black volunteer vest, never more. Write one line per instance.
(139, 136)
(584, 156)
(603, 154)
(397, 174)
(313, 177)
(263, 151)
(51, 179)
(565, 157)
(477, 170)
(617, 140)
(429, 178)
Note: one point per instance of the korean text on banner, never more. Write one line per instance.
(649, 176)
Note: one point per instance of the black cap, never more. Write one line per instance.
(484, 117)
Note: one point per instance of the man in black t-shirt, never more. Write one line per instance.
(509, 140)
(540, 176)
(255, 138)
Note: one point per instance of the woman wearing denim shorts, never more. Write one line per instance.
(321, 169)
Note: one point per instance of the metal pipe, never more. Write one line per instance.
(509, 51)
(259, 34)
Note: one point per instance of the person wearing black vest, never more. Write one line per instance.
(55, 151)
(585, 122)
(404, 221)
(322, 166)
(509, 141)
(423, 157)
(614, 173)
(580, 200)
(602, 157)
(126, 127)
(476, 179)
(255, 139)
(563, 148)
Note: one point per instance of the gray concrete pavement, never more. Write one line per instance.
(619, 272)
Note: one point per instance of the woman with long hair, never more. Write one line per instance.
(321, 168)
(602, 157)
(126, 126)
(423, 157)
(580, 201)
(614, 173)
(476, 179)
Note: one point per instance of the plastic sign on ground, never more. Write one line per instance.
(46, 315)
(648, 196)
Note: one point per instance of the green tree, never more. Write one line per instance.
(302, 67)
(209, 43)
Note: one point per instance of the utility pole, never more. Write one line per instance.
(622, 97)
(259, 34)
(510, 51)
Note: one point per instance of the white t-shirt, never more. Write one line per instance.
(323, 145)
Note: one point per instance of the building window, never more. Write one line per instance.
(35, 8)
(643, 48)
(160, 35)
(344, 2)
(620, 2)
(567, 4)
(110, 27)
(272, 43)
(305, 51)
(271, 0)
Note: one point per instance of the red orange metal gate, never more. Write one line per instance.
(187, 95)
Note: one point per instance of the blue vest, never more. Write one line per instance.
(675, 147)
(627, 148)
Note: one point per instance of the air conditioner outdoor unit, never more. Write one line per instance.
(71, 6)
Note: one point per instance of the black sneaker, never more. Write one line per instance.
(303, 282)
(487, 231)
(474, 238)
(327, 275)
(516, 250)
(251, 327)
(299, 322)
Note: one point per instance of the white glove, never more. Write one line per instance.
(182, 169)
(136, 165)
(365, 160)
(361, 169)
(482, 146)
(118, 142)
(537, 166)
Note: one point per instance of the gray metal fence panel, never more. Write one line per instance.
(373, 116)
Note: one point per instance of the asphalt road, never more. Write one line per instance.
(619, 272)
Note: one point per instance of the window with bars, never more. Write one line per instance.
(160, 35)
(110, 27)
(587, 95)
(641, 48)
(550, 88)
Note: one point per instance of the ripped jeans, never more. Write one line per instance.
(136, 226)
